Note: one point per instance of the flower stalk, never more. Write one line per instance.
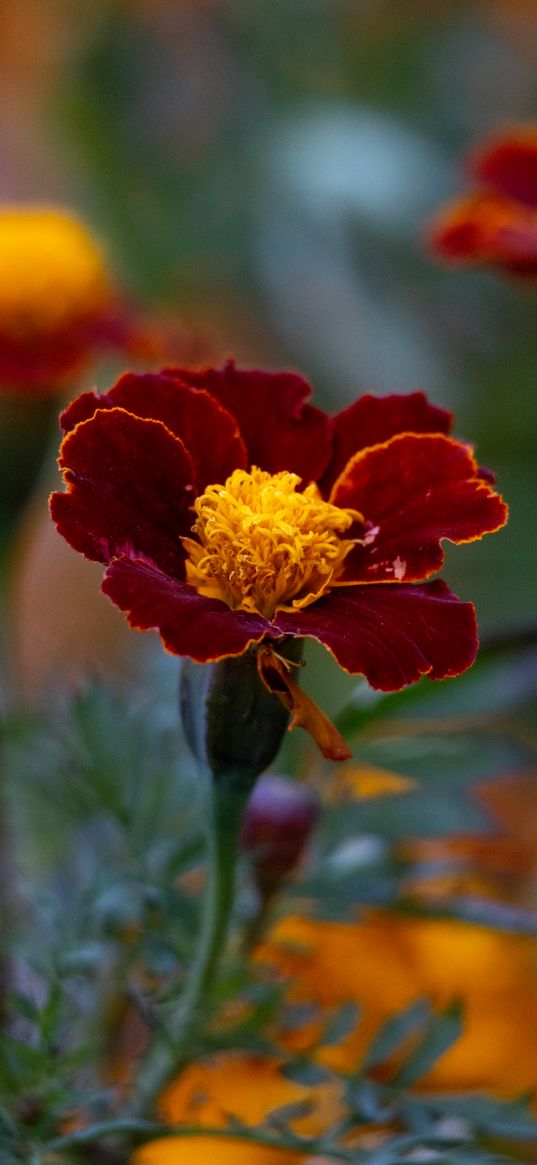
(234, 727)
(224, 810)
(6, 911)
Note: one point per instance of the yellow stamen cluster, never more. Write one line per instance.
(52, 273)
(263, 546)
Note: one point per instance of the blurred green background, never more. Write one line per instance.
(265, 171)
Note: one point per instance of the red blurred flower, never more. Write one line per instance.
(497, 224)
(229, 512)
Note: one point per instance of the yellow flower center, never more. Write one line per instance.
(52, 273)
(262, 546)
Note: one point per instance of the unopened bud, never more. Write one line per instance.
(280, 817)
(232, 722)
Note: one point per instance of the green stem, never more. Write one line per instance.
(256, 926)
(140, 1132)
(8, 901)
(165, 1060)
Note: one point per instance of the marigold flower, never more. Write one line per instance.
(54, 296)
(499, 864)
(497, 224)
(231, 514)
(386, 961)
(247, 1087)
(217, 1150)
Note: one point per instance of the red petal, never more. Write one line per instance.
(372, 419)
(40, 364)
(515, 246)
(509, 164)
(391, 634)
(414, 491)
(81, 409)
(207, 429)
(487, 228)
(280, 430)
(460, 231)
(188, 623)
(129, 488)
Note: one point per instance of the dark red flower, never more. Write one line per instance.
(497, 223)
(229, 512)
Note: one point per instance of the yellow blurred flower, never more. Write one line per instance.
(53, 271)
(386, 961)
(55, 296)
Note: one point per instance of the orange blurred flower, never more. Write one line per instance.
(248, 1088)
(387, 961)
(217, 1150)
(496, 224)
(499, 864)
(365, 781)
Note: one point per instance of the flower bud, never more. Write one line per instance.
(277, 825)
(232, 722)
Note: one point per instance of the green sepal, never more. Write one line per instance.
(232, 723)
